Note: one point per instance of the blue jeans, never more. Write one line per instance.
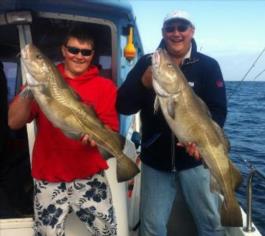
(158, 192)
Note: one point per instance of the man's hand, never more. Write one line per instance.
(86, 139)
(191, 149)
(147, 78)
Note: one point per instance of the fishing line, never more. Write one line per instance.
(258, 74)
(250, 166)
(246, 74)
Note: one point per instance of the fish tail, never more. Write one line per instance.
(231, 214)
(126, 168)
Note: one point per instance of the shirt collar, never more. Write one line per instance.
(188, 54)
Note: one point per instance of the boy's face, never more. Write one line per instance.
(76, 61)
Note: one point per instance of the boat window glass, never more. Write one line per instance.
(10, 70)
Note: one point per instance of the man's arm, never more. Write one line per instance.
(215, 93)
(131, 93)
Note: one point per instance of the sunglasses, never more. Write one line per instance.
(75, 51)
(179, 28)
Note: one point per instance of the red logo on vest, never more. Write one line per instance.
(219, 83)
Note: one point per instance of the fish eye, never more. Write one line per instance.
(169, 65)
(38, 56)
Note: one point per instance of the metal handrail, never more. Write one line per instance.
(253, 172)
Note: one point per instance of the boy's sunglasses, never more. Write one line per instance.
(75, 51)
(179, 28)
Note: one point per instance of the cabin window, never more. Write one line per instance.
(105, 64)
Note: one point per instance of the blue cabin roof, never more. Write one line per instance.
(103, 8)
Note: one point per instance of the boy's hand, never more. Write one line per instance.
(86, 139)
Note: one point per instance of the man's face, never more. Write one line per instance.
(76, 61)
(177, 35)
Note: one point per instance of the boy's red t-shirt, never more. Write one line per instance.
(57, 158)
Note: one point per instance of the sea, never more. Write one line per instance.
(245, 129)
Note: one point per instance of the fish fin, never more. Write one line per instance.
(74, 93)
(26, 92)
(126, 168)
(231, 214)
(91, 112)
(171, 105)
(156, 104)
(236, 176)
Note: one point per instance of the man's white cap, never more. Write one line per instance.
(179, 14)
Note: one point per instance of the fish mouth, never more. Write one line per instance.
(156, 58)
(25, 65)
(156, 64)
(156, 61)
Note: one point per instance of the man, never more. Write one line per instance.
(165, 165)
(68, 174)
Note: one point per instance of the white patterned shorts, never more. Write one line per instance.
(89, 198)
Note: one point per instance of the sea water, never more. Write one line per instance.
(245, 128)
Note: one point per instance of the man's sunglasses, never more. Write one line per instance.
(75, 51)
(179, 28)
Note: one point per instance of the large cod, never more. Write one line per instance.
(190, 120)
(63, 108)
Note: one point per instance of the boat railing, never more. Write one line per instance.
(253, 172)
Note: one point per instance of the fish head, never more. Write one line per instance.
(166, 75)
(35, 65)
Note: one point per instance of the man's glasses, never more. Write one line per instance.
(75, 51)
(180, 28)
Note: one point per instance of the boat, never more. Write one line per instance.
(118, 47)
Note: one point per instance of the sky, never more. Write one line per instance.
(231, 31)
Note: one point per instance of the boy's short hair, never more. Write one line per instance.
(80, 32)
